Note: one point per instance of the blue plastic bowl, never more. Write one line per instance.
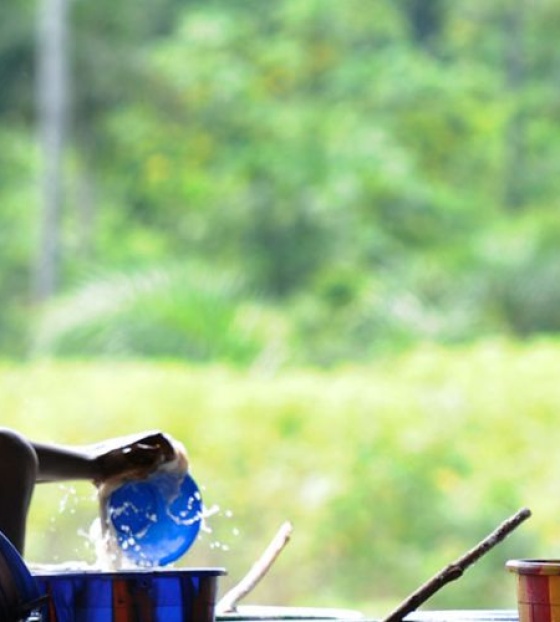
(156, 520)
(19, 592)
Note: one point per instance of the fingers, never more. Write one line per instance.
(138, 458)
(156, 442)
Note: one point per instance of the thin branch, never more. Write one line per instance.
(229, 601)
(456, 569)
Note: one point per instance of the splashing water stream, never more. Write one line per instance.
(108, 557)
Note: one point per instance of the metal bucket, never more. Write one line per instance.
(183, 595)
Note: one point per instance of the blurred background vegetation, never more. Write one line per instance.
(317, 241)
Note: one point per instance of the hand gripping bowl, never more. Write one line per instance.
(155, 521)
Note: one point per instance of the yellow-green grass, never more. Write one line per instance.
(388, 472)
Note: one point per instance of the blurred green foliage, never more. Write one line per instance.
(388, 472)
(302, 196)
(369, 174)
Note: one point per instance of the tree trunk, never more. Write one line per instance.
(52, 98)
(515, 174)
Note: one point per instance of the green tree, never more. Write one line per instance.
(361, 166)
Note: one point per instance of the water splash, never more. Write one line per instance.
(216, 533)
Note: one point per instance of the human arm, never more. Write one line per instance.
(131, 456)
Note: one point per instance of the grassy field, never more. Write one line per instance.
(388, 472)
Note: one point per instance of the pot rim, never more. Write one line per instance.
(534, 566)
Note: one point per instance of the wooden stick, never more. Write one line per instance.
(229, 601)
(457, 568)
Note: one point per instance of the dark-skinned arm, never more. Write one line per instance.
(134, 456)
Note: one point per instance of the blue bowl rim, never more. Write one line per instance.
(131, 573)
